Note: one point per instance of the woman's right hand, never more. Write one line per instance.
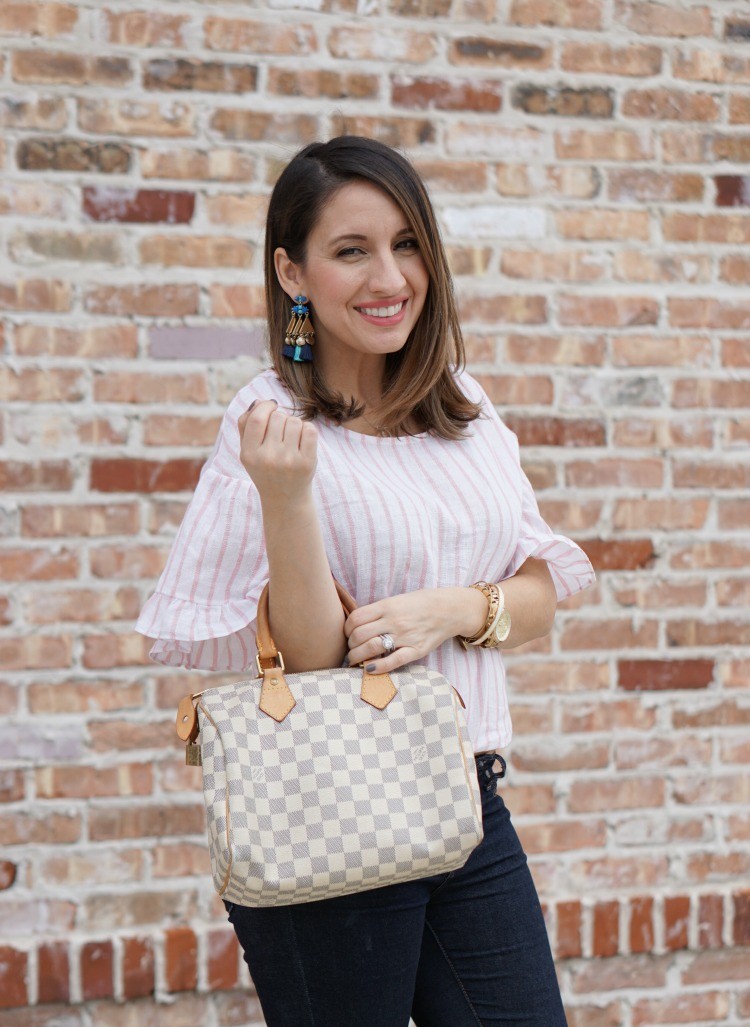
(279, 453)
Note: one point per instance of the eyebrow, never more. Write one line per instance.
(352, 235)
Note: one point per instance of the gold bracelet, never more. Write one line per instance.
(491, 593)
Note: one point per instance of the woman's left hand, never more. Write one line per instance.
(417, 621)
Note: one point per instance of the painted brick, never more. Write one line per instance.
(209, 343)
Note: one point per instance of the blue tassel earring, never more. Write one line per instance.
(300, 334)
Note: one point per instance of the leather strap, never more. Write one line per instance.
(276, 699)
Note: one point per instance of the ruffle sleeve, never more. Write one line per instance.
(569, 566)
(203, 613)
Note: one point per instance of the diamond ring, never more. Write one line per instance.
(388, 644)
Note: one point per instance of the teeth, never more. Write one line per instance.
(382, 311)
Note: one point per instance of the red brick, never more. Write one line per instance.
(82, 605)
(221, 960)
(446, 94)
(600, 796)
(669, 105)
(621, 554)
(137, 205)
(97, 963)
(498, 53)
(36, 652)
(42, 829)
(60, 67)
(134, 475)
(104, 651)
(240, 125)
(145, 821)
(641, 928)
(45, 340)
(741, 926)
(8, 874)
(53, 972)
(67, 154)
(144, 28)
(90, 520)
(557, 431)
(615, 472)
(259, 37)
(618, 973)
(568, 930)
(181, 954)
(661, 675)
(163, 300)
(575, 14)
(11, 785)
(76, 782)
(676, 921)
(76, 696)
(695, 1007)
(38, 564)
(403, 133)
(606, 311)
(609, 634)
(43, 476)
(13, 967)
(606, 928)
(170, 73)
(38, 19)
(314, 82)
(30, 385)
(138, 978)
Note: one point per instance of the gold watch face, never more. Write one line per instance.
(502, 629)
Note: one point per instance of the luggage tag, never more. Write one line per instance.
(187, 730)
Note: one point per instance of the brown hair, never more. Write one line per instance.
(419, 381)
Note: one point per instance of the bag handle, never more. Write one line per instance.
(276, 699)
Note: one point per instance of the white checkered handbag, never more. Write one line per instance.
(331, 781)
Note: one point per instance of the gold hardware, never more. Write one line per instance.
(280, 664)
(193, 755)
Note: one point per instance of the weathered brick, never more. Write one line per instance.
(446, 94)
(656, 19)
(45, 113)
(53, 972)
(564, 101)
(134, 475)
(138, 971)
(97, 970)
(222, 165)
(201, 251)
(181, 953)
(144, 28)
(258, 37)
(64, 68)
(309, 82)
(170, 119)
(73, 155)
(499, 53)
(206, 76)
(165, 300)
(47, 20)
(137, 205)
(359, 43)
(13, 982)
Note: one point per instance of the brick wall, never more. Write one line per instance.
(589, 162)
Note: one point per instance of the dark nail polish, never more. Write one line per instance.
(370, 668)
(252, 405)
(346, 661)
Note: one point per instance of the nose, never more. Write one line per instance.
(386, 276)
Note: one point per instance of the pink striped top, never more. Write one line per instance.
(397, 514)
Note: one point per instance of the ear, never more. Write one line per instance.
(288, 273)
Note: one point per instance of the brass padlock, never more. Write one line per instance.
(193, 756)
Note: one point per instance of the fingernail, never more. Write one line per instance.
(370, 668)
(252, 405)
(346, 661)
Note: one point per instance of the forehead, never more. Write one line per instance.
(360, 207)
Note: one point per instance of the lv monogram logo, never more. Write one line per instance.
(419, 753)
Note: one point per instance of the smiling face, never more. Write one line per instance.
(363, 275)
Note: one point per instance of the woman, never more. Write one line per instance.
(379, 462)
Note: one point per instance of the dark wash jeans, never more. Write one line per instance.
(458, 949)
